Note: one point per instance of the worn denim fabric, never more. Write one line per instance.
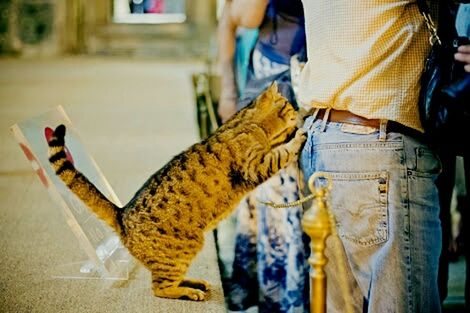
(386, 207)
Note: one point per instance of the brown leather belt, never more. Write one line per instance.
(351, 118)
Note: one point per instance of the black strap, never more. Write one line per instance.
(446, 17)
(426, 13)
(272, 12)
(423, 7)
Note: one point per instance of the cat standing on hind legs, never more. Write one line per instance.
(163, 225)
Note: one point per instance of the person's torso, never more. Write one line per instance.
(282, 32)
(365, 56)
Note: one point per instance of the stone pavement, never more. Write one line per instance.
(132, 116)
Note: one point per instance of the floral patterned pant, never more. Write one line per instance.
(270, 268)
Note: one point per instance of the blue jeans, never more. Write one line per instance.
(386, 207)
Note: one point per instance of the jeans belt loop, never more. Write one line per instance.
(313, 118)
(383, 130)
(325, 119)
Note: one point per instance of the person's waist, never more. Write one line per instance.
(341, 116)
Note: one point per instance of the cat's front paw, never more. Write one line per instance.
(302, 114)
(300, 136)
(295, 144)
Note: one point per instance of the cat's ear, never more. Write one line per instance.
(272, 92)
(273, 88)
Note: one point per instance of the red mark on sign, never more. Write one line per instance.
(36, 167)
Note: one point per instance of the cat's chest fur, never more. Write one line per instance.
(193, 192)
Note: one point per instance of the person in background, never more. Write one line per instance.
(446, 180)
(459, 15)
(462, 25)
(361, 84)
(269, 268)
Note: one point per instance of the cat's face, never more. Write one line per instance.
(278, 117)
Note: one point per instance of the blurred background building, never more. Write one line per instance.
(122, 70)
(162, 28)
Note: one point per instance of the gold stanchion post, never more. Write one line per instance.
(316, 224)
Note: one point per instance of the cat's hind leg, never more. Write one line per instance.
(180, 288)
(169, 270)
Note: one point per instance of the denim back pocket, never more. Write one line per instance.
(359, 204)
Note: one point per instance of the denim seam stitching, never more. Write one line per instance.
(358, 176)
(336, 146)
(407, 226)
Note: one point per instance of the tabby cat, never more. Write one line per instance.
(163, 224)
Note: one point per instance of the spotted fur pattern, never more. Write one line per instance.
(163, 225)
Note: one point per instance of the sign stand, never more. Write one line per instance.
(106, 257)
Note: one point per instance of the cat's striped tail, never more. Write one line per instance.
(79, 184)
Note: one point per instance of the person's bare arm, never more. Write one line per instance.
(226, 33)
(248, 13)
(245, 13)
